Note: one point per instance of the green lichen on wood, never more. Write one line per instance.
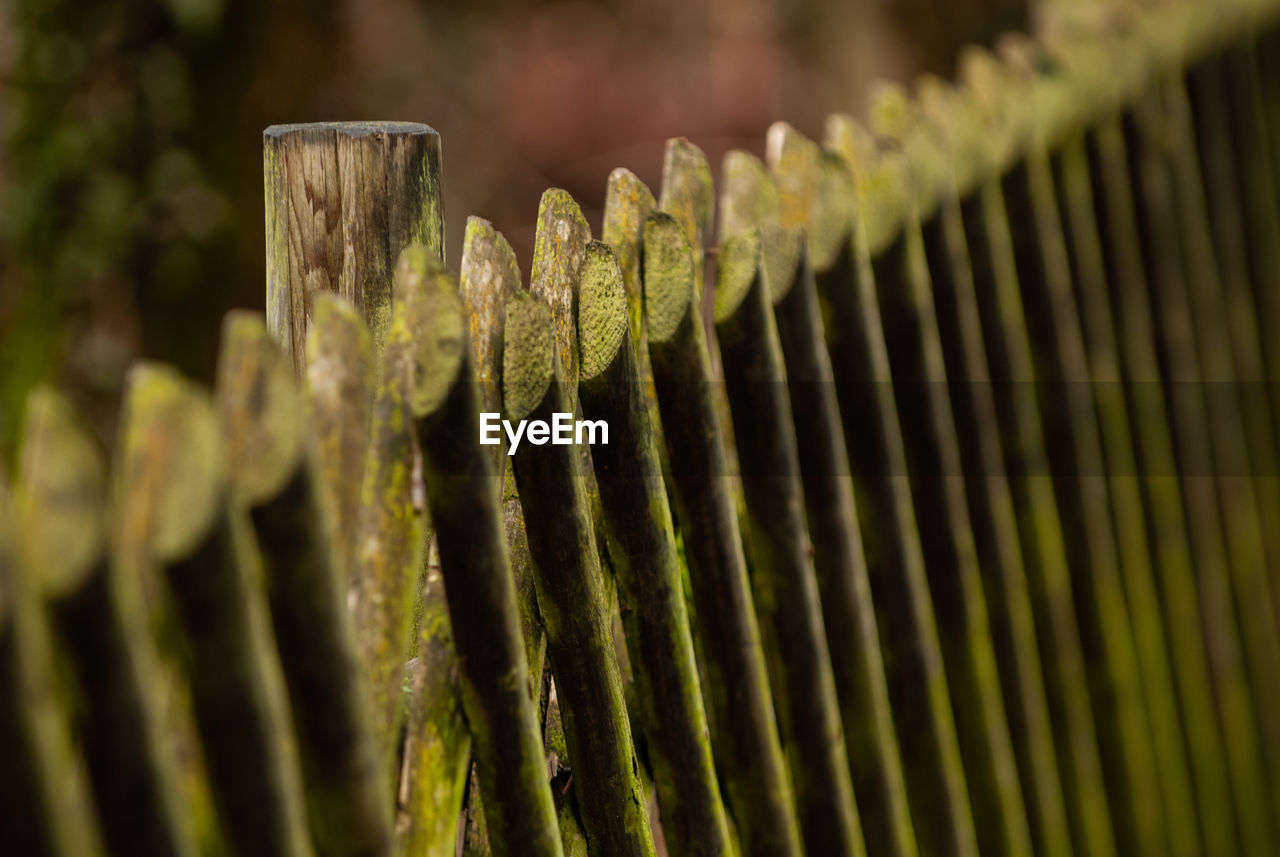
(737, 267)
(437, 745)
(559, 246)
(527, 370)
(233, 678)
(339, 395)
(61, 505)
(602, 311)
(659, 646)
(669, 276)
(880, 177)
(688, 194)
(627, 203)
(489, 276)
(482, 598)
(812, 183)
(784, 585)
(572, 593)
(747, 746)
(391, 534)
(48, 812)
(749, 200)
(273, 478)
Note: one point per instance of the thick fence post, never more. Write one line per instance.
(343, 199)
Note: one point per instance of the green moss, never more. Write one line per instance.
(602, 310)
(61, 494)
(166, 412)
(260, 402)
(528, 355)
(739, 265)
(749, 201)
(559, 247)
(669, 282)
(883, 191)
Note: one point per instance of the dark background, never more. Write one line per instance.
(130, 134)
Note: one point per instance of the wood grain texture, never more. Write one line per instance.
(343, 199)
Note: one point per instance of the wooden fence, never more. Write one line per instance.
(939, 514)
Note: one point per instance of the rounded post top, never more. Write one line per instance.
(351, 129)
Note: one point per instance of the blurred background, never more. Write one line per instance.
(131, 201)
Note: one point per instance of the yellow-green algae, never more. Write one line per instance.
(528, 355)
(669, 280)
(60, 506)
(602, 310)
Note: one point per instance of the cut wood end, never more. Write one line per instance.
(737, 267)
(750, 202)
(559, 245)
(61, 496)
(892, 113)
(688, 190)
(602, 310)
(349, 129)
(260, 407)
(172, 430)
(427, 329)
(669, 286)
(884, 194)
(528, 355)
(627, 203)
(489, 274)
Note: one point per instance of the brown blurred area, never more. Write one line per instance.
(130, 133)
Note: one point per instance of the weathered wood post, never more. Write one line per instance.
(343, 199)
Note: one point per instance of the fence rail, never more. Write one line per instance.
(939, 511)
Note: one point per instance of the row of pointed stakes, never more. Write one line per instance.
(940, 537)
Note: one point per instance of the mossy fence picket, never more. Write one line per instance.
(946, 525)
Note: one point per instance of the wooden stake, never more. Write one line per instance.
(464, 499)
(1210, 440)
(1008, 246)
(571, 595)
(995, 530)
(639, 527)
(45, 806)
(64, 527)
(751, 199)
(783, 582)
(254, 783)
(340, 388)
(744, 729)
(1181, 502)
(1015, 448)
(895, 563)
(272, 477)
(919, 379)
